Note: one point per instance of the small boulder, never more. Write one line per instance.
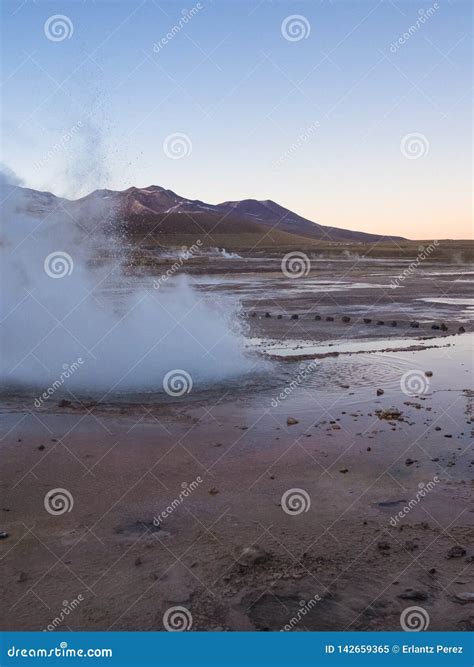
(456, 552)
(253, 555)
(346, 319)
(380, 392)
(291, 421)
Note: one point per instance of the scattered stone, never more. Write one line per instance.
(432, 570)
(412, 594)
(435, 326)
(329, 318)
(393, 323)
(389, 414)
(367, 320)
(409, 462)
(267, 315)
(437, 428)
(415, 325)
(41, 447)
(444, 327)
(448, 435)
(344, 470)
(346, 318)
(138, 561)
(380, 323)
(380, 392)
(22, 577)
(291, 421)
(461, 330)
(63, 403)
(317, 317)
(464, 597)
(456, 552)
(254, 555)
(383, 546)
(3, 535)
(429, 374)
(294, 317)
(213, 491)
(279, 317)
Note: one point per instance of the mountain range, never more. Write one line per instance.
(160, 214)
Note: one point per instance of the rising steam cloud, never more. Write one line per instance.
(61, 301)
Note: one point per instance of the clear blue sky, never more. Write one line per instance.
(316, 124)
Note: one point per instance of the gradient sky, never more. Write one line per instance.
(315, 124)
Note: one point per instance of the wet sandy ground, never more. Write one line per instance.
(229, 552)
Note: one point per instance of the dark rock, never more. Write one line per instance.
(444, 327)
(415, 325)
(409, 462)
(294, 317)
(393, 323)
(267, 315)
(380, 392)
(346, 318)
(461, 330)
(291, 421)
(254, 555)
(367, 320)
(138, 561)
(437, 428)
(213, 491)
(22, 577)
(3, 535)
(429, 374)
(380, 323)
(344, 470)
(317, 317)
(456, 552)
(383, 546)
(41, 447)
(412, 594)
(329, 318)
(279, 317)
(435, 327)
(63, 403)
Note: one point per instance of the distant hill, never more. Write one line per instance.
(160, 215)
